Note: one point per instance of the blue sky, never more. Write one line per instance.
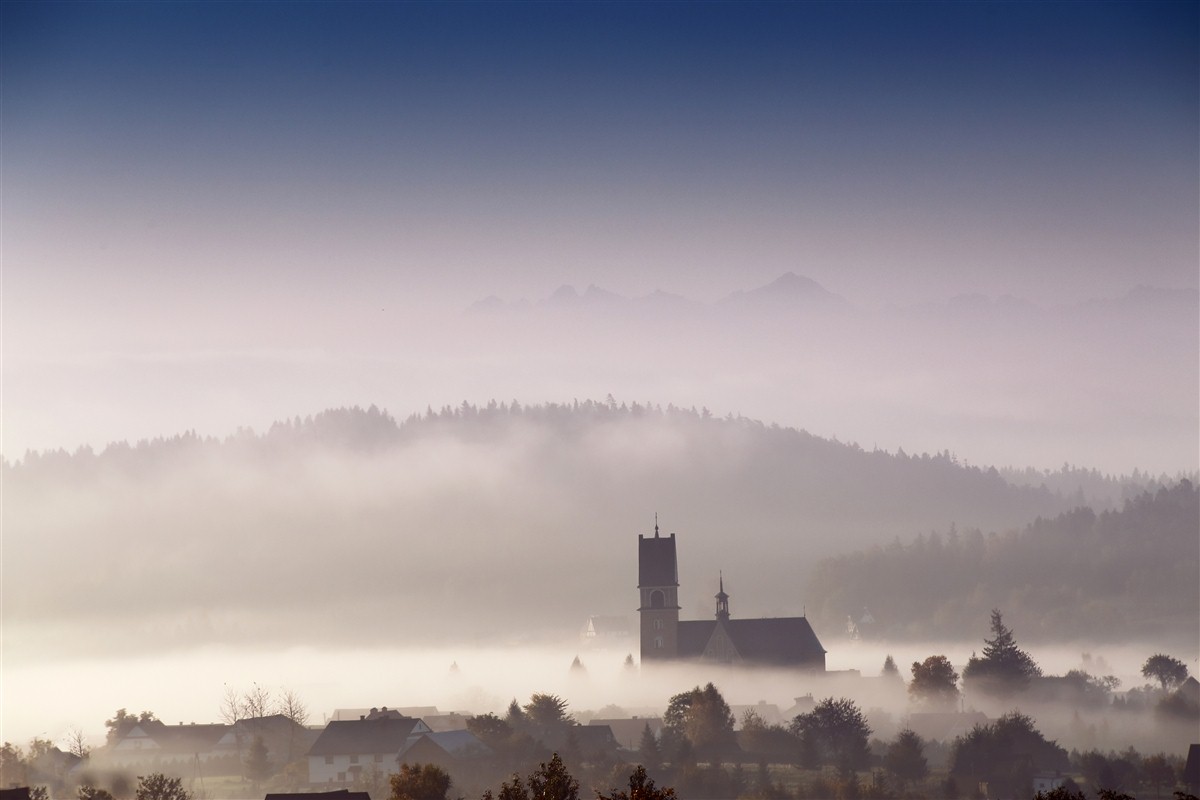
(184, 178)
(1029, 148)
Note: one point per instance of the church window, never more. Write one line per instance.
(657, 599)
(658, 624)
(658, 643)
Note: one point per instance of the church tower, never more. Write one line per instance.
(658, 584)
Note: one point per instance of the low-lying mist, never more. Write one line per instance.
(187, 686)
(483, 525)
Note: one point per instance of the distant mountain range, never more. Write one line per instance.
(792, 292)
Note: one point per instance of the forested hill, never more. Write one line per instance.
(371, 430)
(1119, 575)
(475, 514)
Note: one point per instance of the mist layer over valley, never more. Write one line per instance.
(458, 526)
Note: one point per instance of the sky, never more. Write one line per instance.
(196, 191)
(186, 179)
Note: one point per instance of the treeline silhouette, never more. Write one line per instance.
(1127, 574)
(373, 429)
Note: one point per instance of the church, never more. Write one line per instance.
(778, 642)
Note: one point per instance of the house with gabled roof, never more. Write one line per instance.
(153, 739)
(774, 642)
(348, 747)
(591, 743)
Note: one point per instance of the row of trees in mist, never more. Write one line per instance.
(1127, 574)
(833, 749)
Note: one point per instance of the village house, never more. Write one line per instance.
(348, 747)
(152, 739)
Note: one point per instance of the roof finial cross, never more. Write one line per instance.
(655, 524)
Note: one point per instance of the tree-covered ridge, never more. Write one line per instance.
(1118, 574)
(563, 483)
(1091, 487)
(373, 429)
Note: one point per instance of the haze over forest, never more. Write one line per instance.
(358, 327)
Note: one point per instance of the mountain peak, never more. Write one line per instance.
(789, 289)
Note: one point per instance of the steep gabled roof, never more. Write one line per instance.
(693, 636)
(459, 744)
(628, 732)
(176, 739)
(384, 735)
(336, 794)
(782, 640)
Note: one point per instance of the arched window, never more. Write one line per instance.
(657, 599)
(658, 624)
(658, 643)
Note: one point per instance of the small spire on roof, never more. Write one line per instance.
(722, 598)
(655, 524)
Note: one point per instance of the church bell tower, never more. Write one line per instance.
(658, 585)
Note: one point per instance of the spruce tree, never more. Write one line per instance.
(1004, 668)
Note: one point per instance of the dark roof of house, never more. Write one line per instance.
(628, 732)
(189, 738)
(16, 793)
(336, 794)
(657, 565)
(454, 743)
(360, 736)
(1191, 769)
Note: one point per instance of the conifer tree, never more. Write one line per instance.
(1004, 667)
